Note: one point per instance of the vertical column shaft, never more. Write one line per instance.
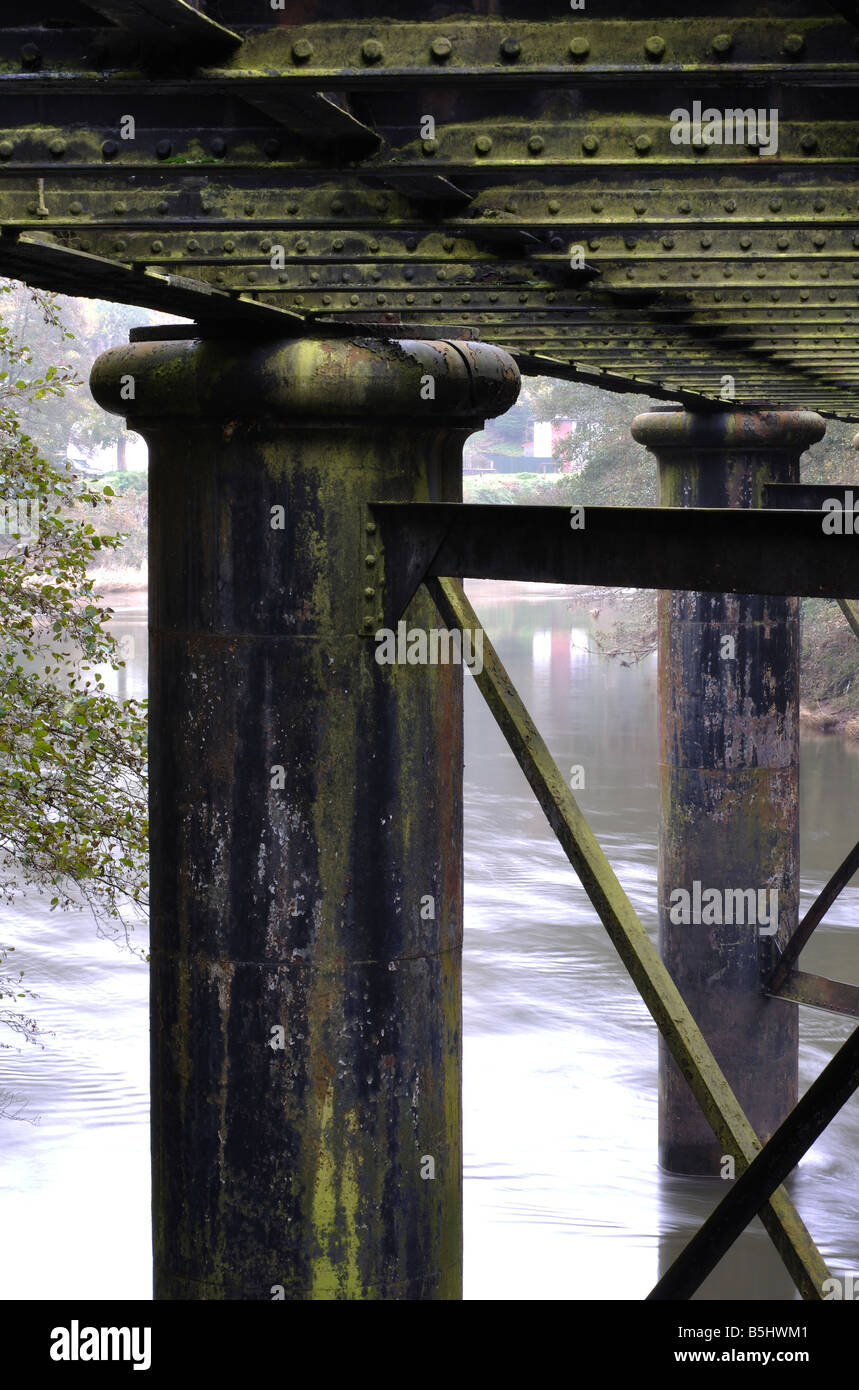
(306, 818)
(729, 783)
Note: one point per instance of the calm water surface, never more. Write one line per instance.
(563, 1195)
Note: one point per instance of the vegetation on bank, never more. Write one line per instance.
(73, 808)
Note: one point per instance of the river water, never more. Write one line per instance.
(564, 1198)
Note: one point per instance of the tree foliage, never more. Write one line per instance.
(73, 823)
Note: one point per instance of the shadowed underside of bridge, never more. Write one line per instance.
(504, 170)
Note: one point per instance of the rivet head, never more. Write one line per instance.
(745, 242)
(819, 204)
(218, 146)
(590, 144)
(783, 243)
(643, 143)
(597, 206)
(301, 246)
(668, 243)
(685, 206)
(706, 241)
(250, 209)
(536, 144)
(372, 51)
(122, 206)
(57, 147)
(429, 146)
(302, 50)
(483, 144)
(856, 240)
(206, 205)
(7, 149)
(292, 209)
(730, 205)
(109, 149)
(793, 45)
(579, 48)
(158, 246)
(163, 149)
(369, 624)
(369, 593)
(77, 208)
(654, 47)
(441, 48)
(120, 244)
(370, 561)
(775, 204)
(373, 245)
(370, 528)
(510, 48)
(337, 244)
(639, 208)
(554, 205)
(808, 143)
(193, 244)
(818, 239)
(448, 244)
(722, 44)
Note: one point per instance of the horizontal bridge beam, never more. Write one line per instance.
(486, 52)
(713, 550)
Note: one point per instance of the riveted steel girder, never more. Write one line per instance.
(524, 172)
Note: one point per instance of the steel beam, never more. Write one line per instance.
(719, 550)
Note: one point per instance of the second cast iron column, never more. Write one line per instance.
(729, 782)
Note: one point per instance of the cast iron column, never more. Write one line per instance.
(306, 817)
(729, 781)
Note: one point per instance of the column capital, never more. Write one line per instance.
(331, 380)
(741, 429)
